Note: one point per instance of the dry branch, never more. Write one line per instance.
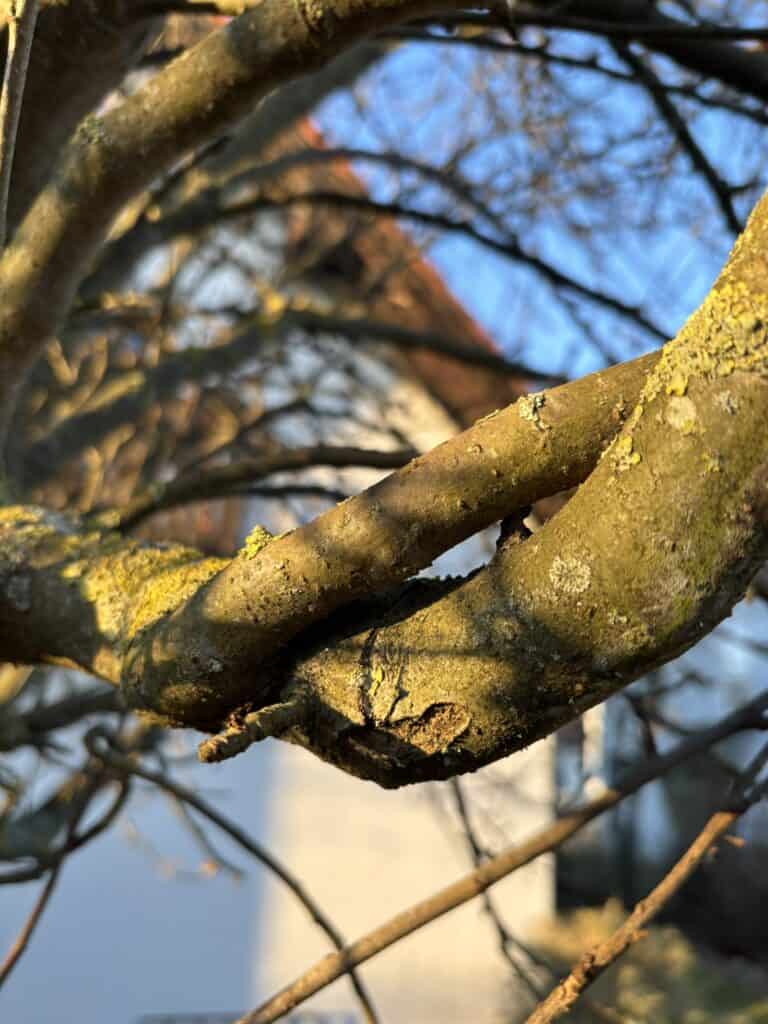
(597, 960)
(327, 970)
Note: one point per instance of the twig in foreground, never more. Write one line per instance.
(593, 963)
(331, 967)
(507, 941)
(98, 743)
(22, 940)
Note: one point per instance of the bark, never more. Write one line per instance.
(439, 677)
(392, 678)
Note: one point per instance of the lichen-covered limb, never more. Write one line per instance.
(443, 676)
(377, 540)
(76, 597)
(652, 552)
(119, 608)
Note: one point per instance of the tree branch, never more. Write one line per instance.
(23, 939)
(331, 967)
(438, 677)
(21, 30)
(393, 538)
(708, 50)
(516, 48)
(117, 155)
(593, 963)
(100, 746)
(153, 384)
(720, 190)
(219, 480)
(207, 211)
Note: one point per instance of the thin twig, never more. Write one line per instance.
(212, 855)
(720, 189)
(509, 246)
(21, 29)
(22, 940)
(531, 14)
(218, 480)
(71, 844)
(587, 64)
(331, 967)
(506, 939)
(16, 951)
(99, 745)
(593, 963)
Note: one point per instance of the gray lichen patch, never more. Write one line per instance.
(727, 402)
(529, 408)
(570, 575)
(680, 414)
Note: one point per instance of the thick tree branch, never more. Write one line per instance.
(248, 143)
(552, 442)
(552, 619)
(442, 676)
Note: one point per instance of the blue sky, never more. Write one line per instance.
(656, 241)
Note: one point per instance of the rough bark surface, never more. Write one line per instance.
(395, 679)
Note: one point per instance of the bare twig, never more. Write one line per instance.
(593, 963)
(504, 937)
(331, 967)
(220, 480)
(720, 189)
(71, 844)
(22, 940)
(21, 29)
(212, 855)
(506, 940)
(589, 64)
(509, 246)
(99, 744)
(533, 14)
